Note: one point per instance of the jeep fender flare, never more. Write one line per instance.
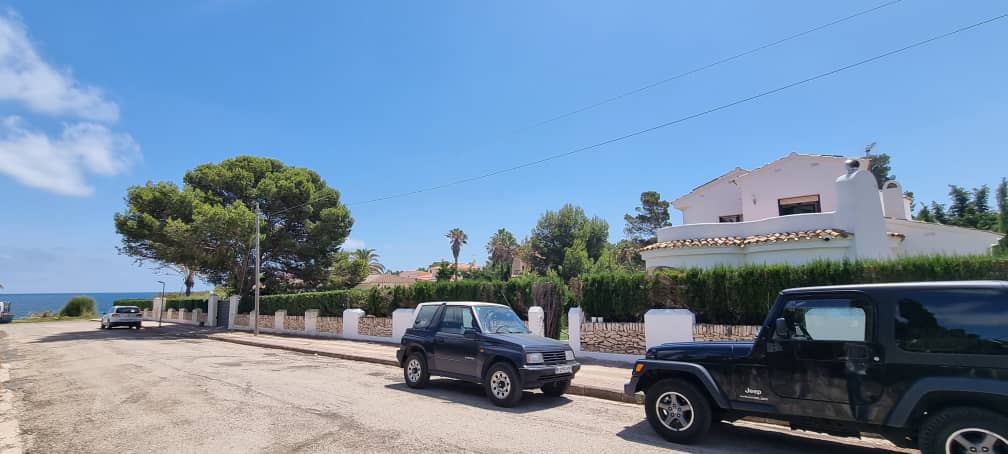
(696, 371)
(904, 410)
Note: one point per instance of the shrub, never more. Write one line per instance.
(188, 304)
(79, 306)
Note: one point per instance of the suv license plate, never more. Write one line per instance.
(564, 369)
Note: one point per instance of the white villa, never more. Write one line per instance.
(798, 209)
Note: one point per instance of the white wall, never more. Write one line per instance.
(792, 176)
(792, 252)
(930, 239)
(778, 224)
(720, 198)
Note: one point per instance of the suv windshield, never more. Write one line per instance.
(497, 319)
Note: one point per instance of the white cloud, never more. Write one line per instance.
(351, 244)
(27, 79)
(61, 164)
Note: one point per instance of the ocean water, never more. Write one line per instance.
(25, 303)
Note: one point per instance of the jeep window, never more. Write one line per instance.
(972, 321)
(456, 320)
(424, 316)
(826, 320)
(497, 319)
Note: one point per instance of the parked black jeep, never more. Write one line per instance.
(484, 343)
(923, 364)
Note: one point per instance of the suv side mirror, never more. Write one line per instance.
(781, 329)
(470, 333)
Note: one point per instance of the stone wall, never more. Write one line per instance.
(294, 322)
(704, 332)
(332, 325)
(266, 321)
(188, 316)
(370, 325)
(202, 317)
(613, 338)
(242, 320)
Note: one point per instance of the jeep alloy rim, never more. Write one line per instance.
(413, 370)
(674, 411)
(980, 441)
(500, 384)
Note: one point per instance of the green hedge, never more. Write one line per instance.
(331, 303)
(188, 304)
(743, 295)
(142, 303)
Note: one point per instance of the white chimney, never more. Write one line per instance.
(893, 204)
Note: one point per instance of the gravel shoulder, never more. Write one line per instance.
(80, 389)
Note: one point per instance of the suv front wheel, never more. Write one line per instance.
(415, 370)
(677, 410)
(966, 430)
(503, 385)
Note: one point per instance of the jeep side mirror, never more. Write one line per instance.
(781, 329)
(470, 333)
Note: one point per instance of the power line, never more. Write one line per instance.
(673, 122)
(701, 68)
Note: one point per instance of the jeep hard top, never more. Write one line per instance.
(923, 364)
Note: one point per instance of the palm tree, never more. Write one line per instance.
(457, 238)
(502, 247)
(371, 257)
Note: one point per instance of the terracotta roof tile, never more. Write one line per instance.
(820, 234)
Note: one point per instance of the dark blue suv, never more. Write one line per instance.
(484, 343)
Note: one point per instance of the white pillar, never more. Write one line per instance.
(170, 314)
(351, 321)
(859, 211)
(402, 319)
(536, 319)
(279, 319)
(574, 318)
(233, 302)
(181, 315)
(211, 316)
(311, 321)
(196, 313)
(667, 325)
(157, 308)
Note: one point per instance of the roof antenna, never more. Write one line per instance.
(868, 148)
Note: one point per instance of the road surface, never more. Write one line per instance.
(83, 390)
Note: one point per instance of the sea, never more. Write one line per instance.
(25, 303)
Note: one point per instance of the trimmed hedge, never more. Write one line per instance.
(188, 304)
(142, 303)
(743, 295)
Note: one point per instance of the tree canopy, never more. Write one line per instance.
(208, 225)
(880, 167)
(652, 215)
(502, 248)
(556, 232)
(968, 208)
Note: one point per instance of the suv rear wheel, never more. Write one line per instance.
(503, 385)
(964, 430)
(677, 410)
(415, 370)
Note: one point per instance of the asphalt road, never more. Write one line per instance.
(80, 389)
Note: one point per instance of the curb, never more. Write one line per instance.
(575, 389)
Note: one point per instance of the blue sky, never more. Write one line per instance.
(386, 97)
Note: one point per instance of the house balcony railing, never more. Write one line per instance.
(778, 224)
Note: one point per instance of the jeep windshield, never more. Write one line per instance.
(497, 319)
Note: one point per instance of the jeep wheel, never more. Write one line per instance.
(556, 389)
(677, 410)
(964, 430)
(415, 370)
(503, 386)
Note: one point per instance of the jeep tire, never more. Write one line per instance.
(415, 370)
(556, 389)
(503, 385)
(964, 429)
(677, 410)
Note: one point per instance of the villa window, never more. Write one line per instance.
(730, 218)
(799, 205)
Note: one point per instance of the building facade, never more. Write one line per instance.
(798, 209)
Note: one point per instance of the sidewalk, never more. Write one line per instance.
(594, 380)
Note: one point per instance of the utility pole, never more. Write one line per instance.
(258, 214)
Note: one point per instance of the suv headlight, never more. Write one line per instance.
(533, 358)
(569, 355)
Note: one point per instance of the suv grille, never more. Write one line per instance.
(554, 357)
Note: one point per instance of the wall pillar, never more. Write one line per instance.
(157, 308)
(536, 320)
(667, 325)
(196, 313)
(859, 211)
(233, 302)
(279, 319)
(574, 318)
(181, 315)
(402, 319)
(170, 314)
(311, 321)
(211, 316)
(351, 323)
